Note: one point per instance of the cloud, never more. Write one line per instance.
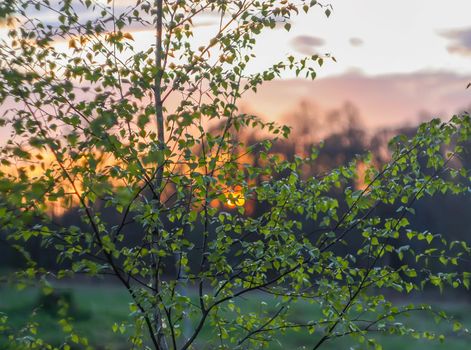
(356, 42)
(48, 15)
(383, 101)
(460, 41)
(306, 44)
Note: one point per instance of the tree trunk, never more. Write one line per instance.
(158, 317)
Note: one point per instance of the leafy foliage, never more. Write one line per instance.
(143, 142)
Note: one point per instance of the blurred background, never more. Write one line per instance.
(399, 63)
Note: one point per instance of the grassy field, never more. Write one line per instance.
(99, 307)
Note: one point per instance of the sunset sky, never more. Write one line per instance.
(395, 59)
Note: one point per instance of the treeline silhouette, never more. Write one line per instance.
(341, 135)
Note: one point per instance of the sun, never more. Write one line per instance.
(235, 198)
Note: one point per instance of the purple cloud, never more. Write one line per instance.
(306, 44)
(356, 42)
(460, 41)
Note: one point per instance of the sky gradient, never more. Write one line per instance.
(396, 60)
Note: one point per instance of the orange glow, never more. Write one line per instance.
(46, 160)
(361, 181)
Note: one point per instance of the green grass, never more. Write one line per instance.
(98, 307)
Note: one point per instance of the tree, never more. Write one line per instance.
(93, 128)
